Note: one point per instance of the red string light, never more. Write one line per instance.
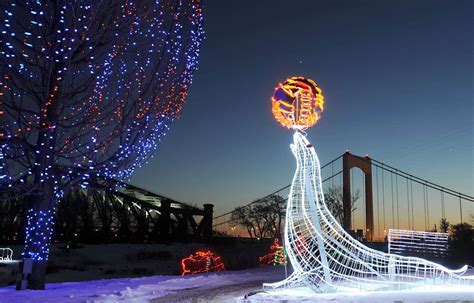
(202, 261)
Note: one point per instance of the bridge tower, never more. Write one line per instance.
(350, 161)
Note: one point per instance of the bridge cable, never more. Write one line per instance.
(332, 173)
(427, 206)
(230, 220)
(417, 179)
(408, 204)
(412, 206)
(283, 188)
(398, 205)
(424, 206)
(442, 205)
(378, 211)
(350, 198)
(364, 201)
(393, 208)
(340, 181)
(383, 204)
(397, 172)
(420, 180)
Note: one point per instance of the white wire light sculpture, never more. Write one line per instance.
(327, 259)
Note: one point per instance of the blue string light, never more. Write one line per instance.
(101, 150)
(105, 109)
(39, 230)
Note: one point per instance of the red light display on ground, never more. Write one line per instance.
(202, 261)
(277, 255)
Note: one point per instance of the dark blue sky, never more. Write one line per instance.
(397, 77)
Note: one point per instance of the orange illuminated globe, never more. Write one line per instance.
(297, 103)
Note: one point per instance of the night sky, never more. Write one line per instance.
(396, 76)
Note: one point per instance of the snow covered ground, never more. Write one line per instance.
(422, 294)
(211, 287)
(110, 261)
(229, 286)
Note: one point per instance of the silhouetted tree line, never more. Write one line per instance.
(461, 242)
(264, 218)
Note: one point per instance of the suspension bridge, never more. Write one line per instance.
(389, 198)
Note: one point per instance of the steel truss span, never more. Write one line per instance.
(327, 259)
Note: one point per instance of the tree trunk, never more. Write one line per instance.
(39, 232)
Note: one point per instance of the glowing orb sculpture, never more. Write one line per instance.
(323, 255)
(297, 103)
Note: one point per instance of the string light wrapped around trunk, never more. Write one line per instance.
(39, 230)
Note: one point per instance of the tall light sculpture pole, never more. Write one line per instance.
(323, 255)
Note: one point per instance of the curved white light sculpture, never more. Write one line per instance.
(327, 259)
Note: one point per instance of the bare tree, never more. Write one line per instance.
(87, 88)
(263, 218)
(275, 209)
(333, 197)
(245, 217)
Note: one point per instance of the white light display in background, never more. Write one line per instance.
(411, 241)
